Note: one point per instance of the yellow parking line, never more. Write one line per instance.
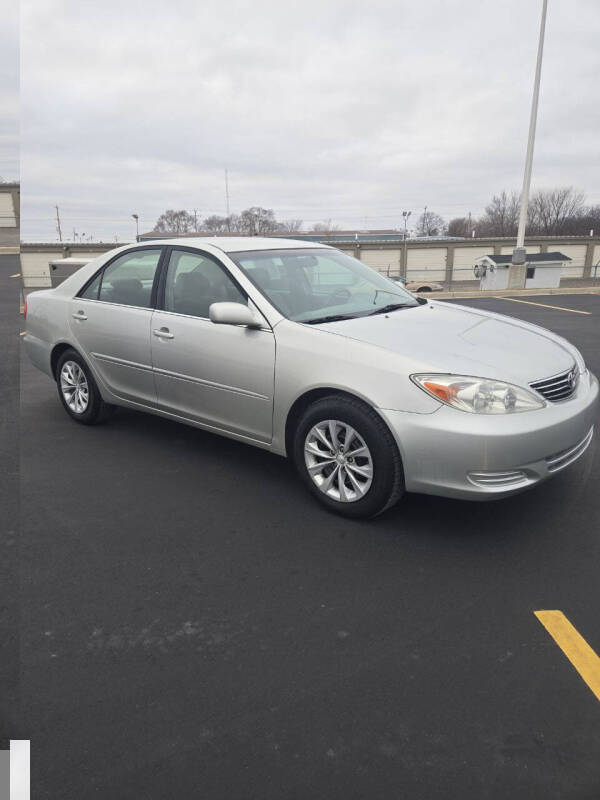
(543, 305)
(574, 646)
(16, 275)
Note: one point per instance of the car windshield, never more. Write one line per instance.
(321, 285)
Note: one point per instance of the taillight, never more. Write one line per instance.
(25, 309)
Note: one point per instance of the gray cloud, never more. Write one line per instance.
(329, 109)
(9, 93)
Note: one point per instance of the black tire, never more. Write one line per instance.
(97, 411)
(388, 477)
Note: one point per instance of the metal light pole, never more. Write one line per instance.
(406, 215)
(137, 227)
(519, 251)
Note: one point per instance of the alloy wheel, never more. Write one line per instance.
(338, 461)
(74, 387)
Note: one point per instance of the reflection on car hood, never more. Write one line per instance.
(440, 337)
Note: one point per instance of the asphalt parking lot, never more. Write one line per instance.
(195, 625)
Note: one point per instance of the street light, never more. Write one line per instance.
(519, 254)
(406, 215)
(137, 227)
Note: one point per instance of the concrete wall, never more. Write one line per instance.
(426, 264)
(506, 250)
(434, 261)
(386, 260)
(576, 252)
(464, 261)
(595, 265)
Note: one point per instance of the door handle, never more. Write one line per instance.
(79, 315)
(163, 333)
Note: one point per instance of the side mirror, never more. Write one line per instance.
(234, 314)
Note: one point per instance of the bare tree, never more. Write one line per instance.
(552, 211)
(459, 226)
(257, 221)
(216, 224)
(175, 222)
(501, 216)
(582, 225)
(290, 226)
(324, 227)
(430, 224)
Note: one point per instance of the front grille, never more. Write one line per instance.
(559, 387)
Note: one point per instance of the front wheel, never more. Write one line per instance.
(348, 458)
(78, 392)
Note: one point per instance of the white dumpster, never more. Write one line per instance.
(543, 270)
(62, 268)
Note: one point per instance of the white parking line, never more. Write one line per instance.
(543, 305)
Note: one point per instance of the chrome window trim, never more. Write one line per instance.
(207, 319)
(108, 303)
(100, 272)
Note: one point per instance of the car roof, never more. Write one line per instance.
(238, 244)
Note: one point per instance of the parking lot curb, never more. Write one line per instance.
(513, 293)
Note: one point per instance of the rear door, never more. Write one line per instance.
(221, 375)
(111, 319)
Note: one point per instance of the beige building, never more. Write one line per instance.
(9, 218)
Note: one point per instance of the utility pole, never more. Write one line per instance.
(406, 215)
(58, 224)
(227, 191)
(425, 225)
(195, 221)
(519, 254)
(137, 227)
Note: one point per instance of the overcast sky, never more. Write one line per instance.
(327, 109)
(9, 92)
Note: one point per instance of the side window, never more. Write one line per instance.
(128, 280)
(91, 293)
(194, 282)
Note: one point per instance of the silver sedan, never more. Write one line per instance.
(306, 352)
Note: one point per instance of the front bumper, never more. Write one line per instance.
(477, 457)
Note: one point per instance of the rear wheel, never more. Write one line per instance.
(348, 458)
(78, 391)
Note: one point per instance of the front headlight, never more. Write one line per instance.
(478, 395)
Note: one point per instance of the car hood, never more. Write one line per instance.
(439, 337)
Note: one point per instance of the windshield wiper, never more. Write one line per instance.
(390, 307)
(330, 318)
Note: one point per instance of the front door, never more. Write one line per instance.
(220, 375)
(111, 322)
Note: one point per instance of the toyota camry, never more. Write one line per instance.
(304, 351)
